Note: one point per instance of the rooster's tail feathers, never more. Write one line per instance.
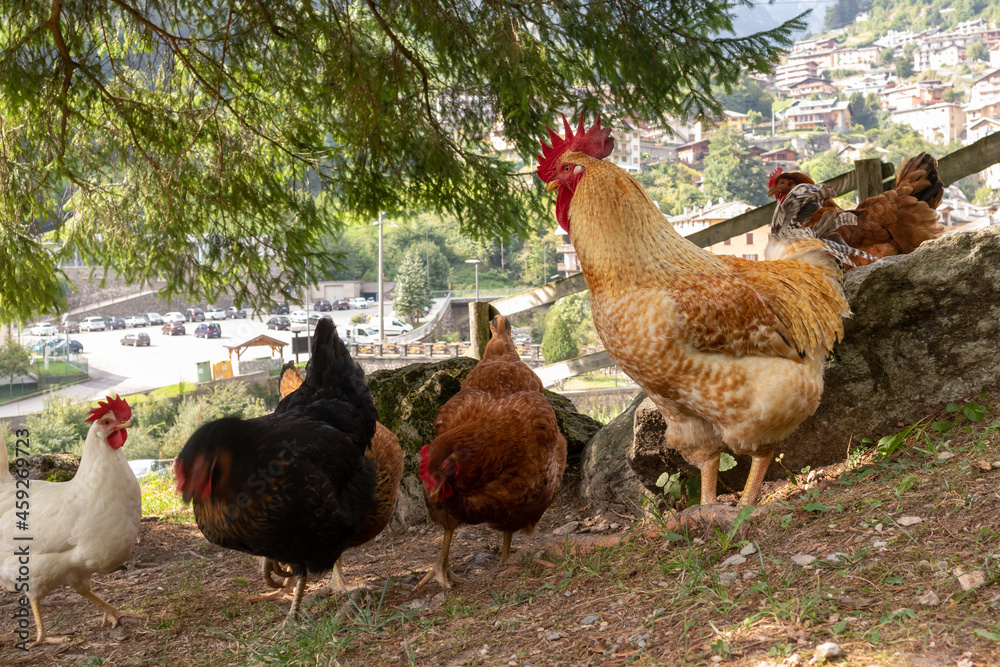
(918, 177)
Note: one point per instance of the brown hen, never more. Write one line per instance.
(894, 222)
(498, 456)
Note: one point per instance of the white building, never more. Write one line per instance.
(938, 123)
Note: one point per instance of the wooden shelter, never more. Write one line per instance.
(262, 340)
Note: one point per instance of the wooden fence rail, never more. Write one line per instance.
(966, 161)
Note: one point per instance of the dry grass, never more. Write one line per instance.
(659, 598)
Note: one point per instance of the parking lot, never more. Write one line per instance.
(115, 368)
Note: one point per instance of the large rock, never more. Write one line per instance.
(58, 467)
(408, 400)
(607, 480)
(923, 333)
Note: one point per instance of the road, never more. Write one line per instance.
(115, 368)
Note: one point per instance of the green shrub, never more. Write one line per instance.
(60, 427)
(228, 400)
(558, 344)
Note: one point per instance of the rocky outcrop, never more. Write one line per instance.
(924, 333)
(50, 467)
(606, 478)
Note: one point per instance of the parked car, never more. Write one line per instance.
(194, 315)
(298, 316)
(174, 316)
(112, 323)
(314, 318)
(323, 305)
(359, 333)
(138, 339)
(215, 314)
(341, 304)
(137, 321)
(69, 327)
(235, 312)
(279, 323)
(155, 319)
(93, 324)
(143, 467)
(173, 329)
(358, 302)
(208, 330)
(59, 347)
(280, 309)
(393, 326)
(43, 329)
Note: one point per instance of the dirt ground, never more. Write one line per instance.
(894, 541)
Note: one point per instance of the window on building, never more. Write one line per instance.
(727, 242)
(749, 238)
(751, 256)
(635, 160)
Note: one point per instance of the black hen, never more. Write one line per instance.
(294, 486)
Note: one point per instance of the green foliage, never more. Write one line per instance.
(672, 187)
(730, 172)
(866, 110)
(825, 166)
(60, 427)
(228, 400)
(412, 297)
(976, 50)
(984, 195)
(151, 419)
(843, 12)
(746, 97)
(191, 141)
(558, 343)
(14, 359)
(904, 68)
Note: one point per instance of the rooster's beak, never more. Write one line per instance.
(771, 192)
(121, 426)
(551, 185)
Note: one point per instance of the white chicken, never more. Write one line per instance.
(55, 533)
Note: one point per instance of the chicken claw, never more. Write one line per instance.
(109, 612)
(441, 573)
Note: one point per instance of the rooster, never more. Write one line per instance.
(894, 222)
(497, 456)
(294, 486)
(388, 458)
(730, 350)
(74, 528)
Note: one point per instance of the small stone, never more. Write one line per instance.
(752, 574)
(995, 606)
(552, 636)
(566, 528)
(728, 578)
(996, 464)
(639, 640)
(599, 528)
(732, 561)
(944, 456)
(698, 542)
(590, 620)
(836, 557)
(749, 550)
(803, 559)
(878, 527)
(481, 558)
(929, 599)
(964, 662)
(908, 520)
(716, 658)
(827, 650)
(970, 580)
(984, 465)
(880, 544)
(615, 526)
(568, 594)
(484, 650)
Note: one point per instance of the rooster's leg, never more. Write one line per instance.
(36, 609)
(338, 585)
(505, 552)
(709, 479)
(283, 584)
(110, 613)
(756, 478)
(300, 587)
(441, 573)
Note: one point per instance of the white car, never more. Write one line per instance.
(359, 333)
(155, 319)
(358, 302)
(174, 317)
(298, 316)
(215, 314)
(93, 324)
(136, 321)
(43, 329)
(393, 326)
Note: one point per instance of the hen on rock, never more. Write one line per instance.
(894, 222)
(295, 486)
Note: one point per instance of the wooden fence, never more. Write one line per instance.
(868, 177)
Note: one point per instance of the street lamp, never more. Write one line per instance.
(475, 262)
(381, 289)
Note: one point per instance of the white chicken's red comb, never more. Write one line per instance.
(117, 405)
(595, 142)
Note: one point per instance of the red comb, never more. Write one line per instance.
(774, 176)
(425, 466)
(117, 405)
(595, 142)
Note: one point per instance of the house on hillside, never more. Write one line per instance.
(823, 59)
(826, 114)
(980, 128)
(985, 87)
(936, 58)
(853, 57)
(811, 86)
(701, 217)
(792, 72)
(693, 153)
(920, 94)
(785, 158)
(937, 123)
(569, 263)
(989, 108)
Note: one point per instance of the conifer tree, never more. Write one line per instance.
(188, 140)
(412, 297)
(730, 172)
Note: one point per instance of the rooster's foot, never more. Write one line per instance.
(49, 640)
(442, 574)
(279, 594)
(114, 617)
(704, 518)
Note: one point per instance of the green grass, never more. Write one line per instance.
(159, 498)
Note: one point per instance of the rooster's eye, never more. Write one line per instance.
(566, 168)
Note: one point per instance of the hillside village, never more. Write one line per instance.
(949, 99)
